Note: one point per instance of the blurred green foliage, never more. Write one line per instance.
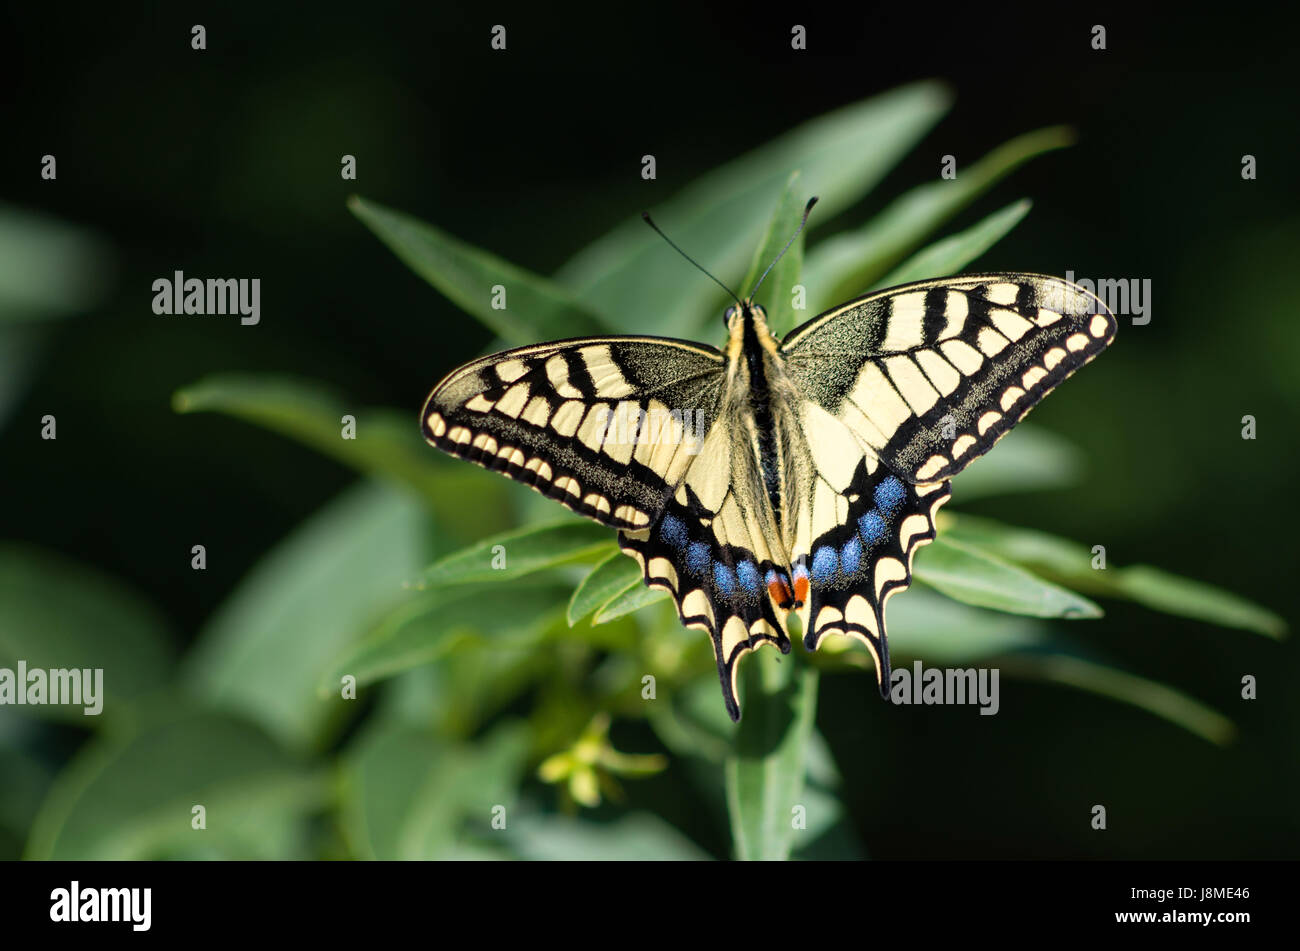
(481, 723)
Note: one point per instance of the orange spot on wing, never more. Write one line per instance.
(800, 590)
(780, 593)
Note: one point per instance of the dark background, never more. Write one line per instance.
(226, 162)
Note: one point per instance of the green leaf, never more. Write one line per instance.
(765, 772)
(950, 255)
(632, 598)
(48, 268)
(613, 589)
(829, 834)
(778, 287)
(928, 626)
(511, 555)
(1171, 594)
(822, 770)
(58, 614)
(387, 443)
(408, 795)
(536, 308)
(635, 837)
(645, 287)
(473, 685)
(939, 632)
(845, 266)
(133, 798)
(265, 650)
(691, 721)
(1107, 681)
(1027, 459)
(427, 628)
(1070, 563)
(968, 574)
(603, 583)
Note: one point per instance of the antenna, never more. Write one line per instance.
(806, 209)
(645, 215)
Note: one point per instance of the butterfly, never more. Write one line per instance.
(777, 476)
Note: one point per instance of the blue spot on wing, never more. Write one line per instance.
(824, 564)
(724, 579)
(698, 558)
(889, 495)
(851, 555)
(747, 573)
(672, 531)
(873, 527)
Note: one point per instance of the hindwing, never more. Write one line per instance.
(856, 563)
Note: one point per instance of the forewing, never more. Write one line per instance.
(606, 426)
(932, 374)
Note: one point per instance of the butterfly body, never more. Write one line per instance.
(776, 476)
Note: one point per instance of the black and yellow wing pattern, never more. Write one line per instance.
(564, 418)
(950, 365)
(777, 477)
(922, 380)
(622, 430)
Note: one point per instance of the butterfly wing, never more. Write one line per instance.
(714, 549)
(606, 426)
(903, 389)
(932, 374)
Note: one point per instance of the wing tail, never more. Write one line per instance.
(717, 584)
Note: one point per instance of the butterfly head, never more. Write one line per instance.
(735, 316)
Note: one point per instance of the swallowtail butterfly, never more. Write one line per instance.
(776, 476)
